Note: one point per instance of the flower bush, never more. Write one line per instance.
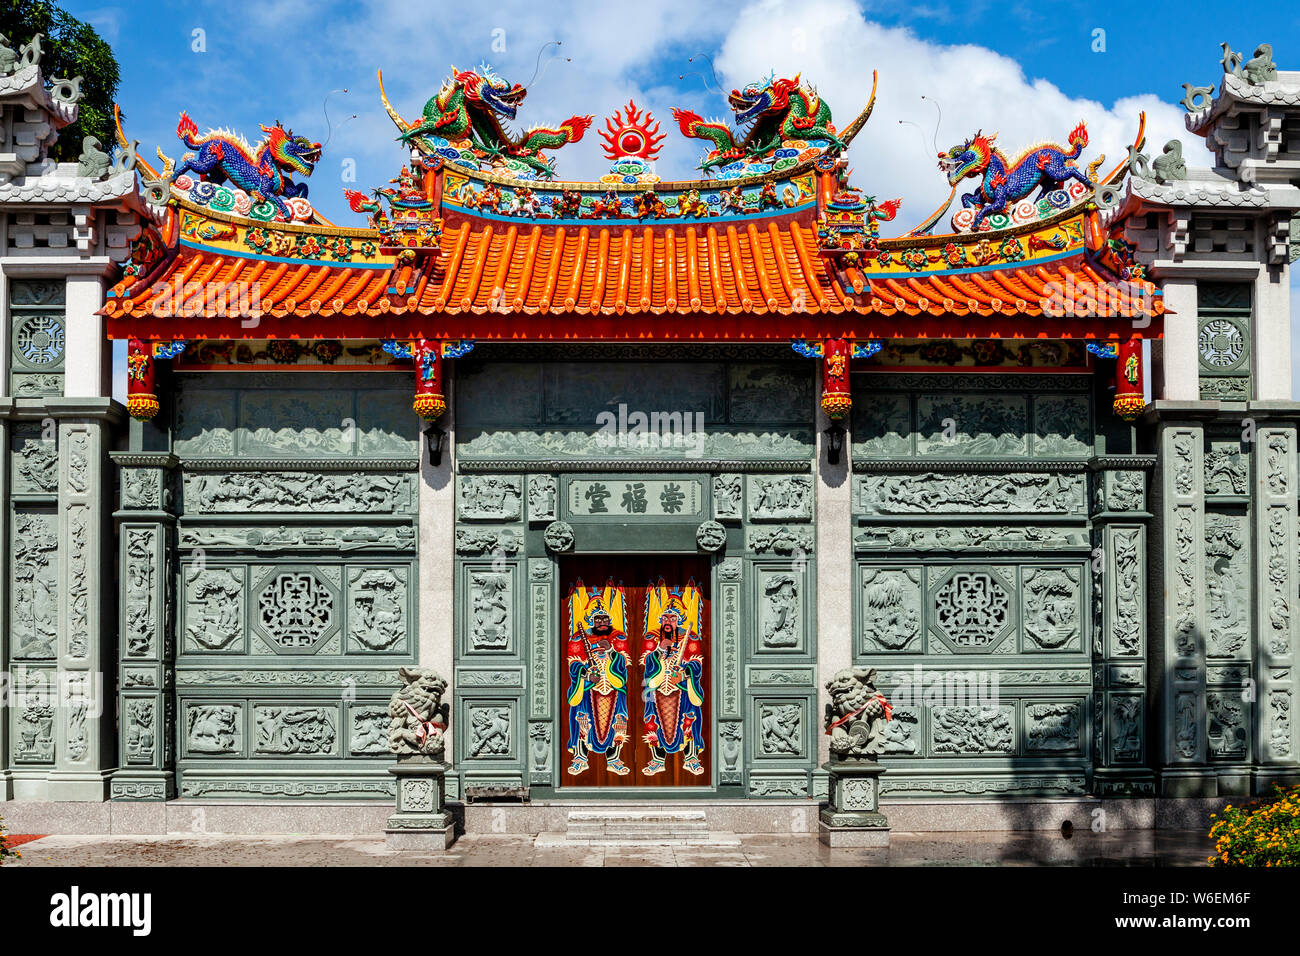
(5, 852)
(1261, 833)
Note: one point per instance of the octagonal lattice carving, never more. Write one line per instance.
(972, 610)
(296, 610)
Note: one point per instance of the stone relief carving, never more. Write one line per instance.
(780, 540)
(1227, 470)
(35, 732)
(214, 615)
(1053, 726)
(1278, 470)
(1227, 571)
(418, 718)
(34, 587)
(246, 491)
(1126, 727)
(1279, 728)
(1051, 608)
(1227, 715)
(1126, 628)
(542, 496)
(989, 537)
(78, 462)
(35, 460)
(780, 497)
(1127, 491)
(369, 731)
(78, 591)
(780, 614)
(1185, 587)
(1062, 426)
(710, 536)
(138, 586)
(781, 729)
(728, 496)
(558, 536)
(140, 488)
(899, 730)
(377, 610)
(213, 729)
(973, 730)
(489, 731)
(392, 538)
(296, 610)
(490, 497)
(891, 608)
(1015, 492)
(539, 752)
(972, 426)
(730, 733)
(296, 730)
(1279, 604)
(972, 609)
(1186, 733)
(141, 735)
(490, 597)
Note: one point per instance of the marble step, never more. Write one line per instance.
(637, 828)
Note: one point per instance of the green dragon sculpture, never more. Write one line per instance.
(780, 110)
(467, 110)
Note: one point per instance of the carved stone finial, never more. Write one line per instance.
(1170, 165)
(93, 162)
(126, 157)
(418, 717)
(1139, 164)
(1196, 98)
(1260, 68)
(856, 715)
(1231, 62)
(66, 91)
(30, 52)
(8, 58)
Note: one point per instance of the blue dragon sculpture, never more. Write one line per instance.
(1005, 182)
(260, 171)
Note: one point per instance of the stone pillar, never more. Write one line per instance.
(834, 565)
(84, 715)
(437, 550)
(146, 652)
(1271, 335)
(1273, 727)
(1178, 607)
(6, 689)
(88, 367)
(1120, 700)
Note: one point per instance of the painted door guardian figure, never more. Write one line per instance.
(598, 661)
(673, 660)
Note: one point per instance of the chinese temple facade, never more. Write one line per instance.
(641, 466)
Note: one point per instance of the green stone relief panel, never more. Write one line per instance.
(521, 411)
(38, 333)
(34, 458)
(1223, 340)
(945, 416)
(303, 415)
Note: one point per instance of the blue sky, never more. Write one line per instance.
(1029, 70)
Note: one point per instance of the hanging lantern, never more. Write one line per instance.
(1129, 402)
(141, 395)
(429, 401)
(836, 399)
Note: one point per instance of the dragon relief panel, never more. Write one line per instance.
(284, 729)
(890, 616)
(1051, 609)
(377, 609)
(214, 610)
(781, 728)
(972, 730)
(972, 426)
(1227, 585)
(34, 587)
(1035, 493)
(329, 492)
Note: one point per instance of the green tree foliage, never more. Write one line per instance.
(69, 48)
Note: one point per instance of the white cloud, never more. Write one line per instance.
(976, 88)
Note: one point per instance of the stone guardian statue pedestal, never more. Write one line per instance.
(855, 721)
(418, 724)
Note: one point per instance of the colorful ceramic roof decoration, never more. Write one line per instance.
(475, 238)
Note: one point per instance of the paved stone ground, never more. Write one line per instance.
(1020, 848)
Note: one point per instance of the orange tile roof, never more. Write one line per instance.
(751, 267)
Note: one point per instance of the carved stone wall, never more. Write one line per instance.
(295, 579)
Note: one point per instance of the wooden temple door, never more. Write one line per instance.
(635, 698)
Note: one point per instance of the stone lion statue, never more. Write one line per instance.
(418, 715)
(856, 715)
